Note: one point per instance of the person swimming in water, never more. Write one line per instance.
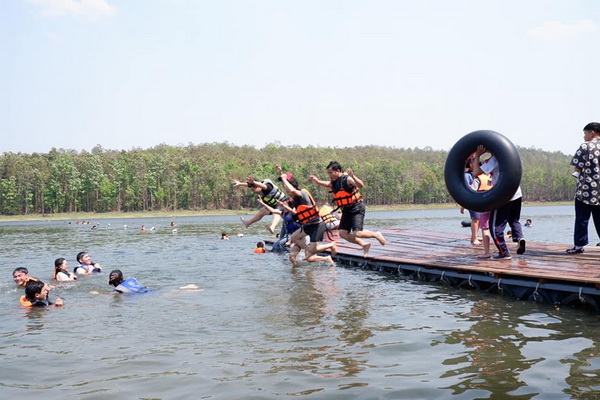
(260, 248)
(86, 265)
(61, 271)
(36, 295)
(129, 285)
(21, 276)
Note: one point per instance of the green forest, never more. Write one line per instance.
(198, 177)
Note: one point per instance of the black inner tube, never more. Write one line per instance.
(505, 185)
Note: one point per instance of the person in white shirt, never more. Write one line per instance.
(510, 213)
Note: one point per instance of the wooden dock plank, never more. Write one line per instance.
(454, 251)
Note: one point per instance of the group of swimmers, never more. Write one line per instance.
(304, 222)
(37, 291)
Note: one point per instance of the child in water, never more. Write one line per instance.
(260, 248)
(36, 295)
(129, 285)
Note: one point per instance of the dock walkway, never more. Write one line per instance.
(545, 273)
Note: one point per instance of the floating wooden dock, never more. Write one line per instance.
(545, 273)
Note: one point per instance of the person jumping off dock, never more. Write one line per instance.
(345, 188)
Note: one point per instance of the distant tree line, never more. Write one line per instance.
(198, 177)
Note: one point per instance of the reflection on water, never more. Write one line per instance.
(261, 329)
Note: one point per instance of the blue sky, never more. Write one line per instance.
(399, 73)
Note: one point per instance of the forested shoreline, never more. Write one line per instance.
(198, 177)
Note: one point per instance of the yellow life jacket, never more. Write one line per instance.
(485, 183)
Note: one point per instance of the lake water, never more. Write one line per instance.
(259, 329)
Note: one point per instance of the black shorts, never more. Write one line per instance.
(314, 231)
(353, 218)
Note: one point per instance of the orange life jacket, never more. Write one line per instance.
(24, 302)
(343, 194)
(305, 214)
(346, 199)
(260, 250)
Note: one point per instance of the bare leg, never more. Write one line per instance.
(257, 217)
(317, 258)
(274, 222)
(295, 250)
(371, 234)
(313, 248)
(474, 230)
(486, 244)
(351, 237)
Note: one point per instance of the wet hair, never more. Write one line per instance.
(57, 264)
(115, 277)
(593, 126)
(80, 255)
(21, 269)
(32, 288)
(260, 244)
(334, 165)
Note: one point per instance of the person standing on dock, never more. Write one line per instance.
(586, 162)
(510, 213)
(345, 188)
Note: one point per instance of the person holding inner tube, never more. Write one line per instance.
(474, 215)
(345, 188)
(481, 184)
(586, 163)
(510, 213)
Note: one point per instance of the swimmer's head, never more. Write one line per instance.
(20, 276)
(115, 277)
(59, 262)
(36, 289)
(80, 256)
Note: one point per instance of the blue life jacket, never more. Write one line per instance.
(131, 285)
(94, 271)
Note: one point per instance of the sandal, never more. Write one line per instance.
(574, 250)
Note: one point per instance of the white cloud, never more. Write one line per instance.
(84, 9)
(53, 37)
(555, 30)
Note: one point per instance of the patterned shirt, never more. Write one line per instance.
(587, 160)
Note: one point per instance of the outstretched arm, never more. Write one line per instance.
(285, 205)
(288, 186)
(319, 182)
(237, 183)
(250, 181)
(268, 207)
